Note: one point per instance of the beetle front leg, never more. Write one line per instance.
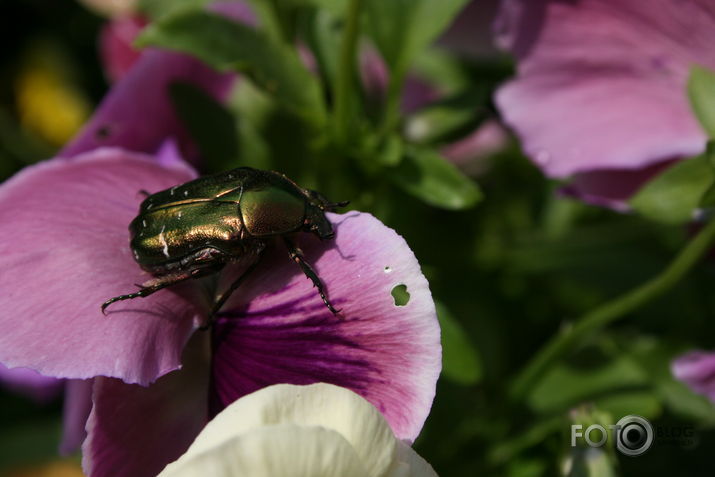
(296, 254)
(150, 287)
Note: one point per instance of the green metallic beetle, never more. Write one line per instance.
(194, 229)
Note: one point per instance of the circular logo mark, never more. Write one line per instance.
(634, 435)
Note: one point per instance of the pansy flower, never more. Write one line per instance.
(697, 370)
(599, 94)
(155, 379)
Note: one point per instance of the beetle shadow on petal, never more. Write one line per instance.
(337, 220)
(275, 263)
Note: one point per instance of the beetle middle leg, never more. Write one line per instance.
(296, 255)
(229, 291)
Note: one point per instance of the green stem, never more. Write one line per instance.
(394, 95)
(614, 310)
(346, 72)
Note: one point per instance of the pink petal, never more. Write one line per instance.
(138, 113)
(601, 83)
(277, 329)
(697, 370)
(612, 187)
(64, 250)
(30, 383)
(135, 431)
(78, 404)
(116, 47)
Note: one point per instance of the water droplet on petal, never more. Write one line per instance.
(543, 157)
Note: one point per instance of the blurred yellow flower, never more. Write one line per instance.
(48, 105)
(53, 469)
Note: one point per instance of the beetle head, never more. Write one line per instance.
(316, 221)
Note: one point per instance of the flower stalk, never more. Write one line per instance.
(613, 310)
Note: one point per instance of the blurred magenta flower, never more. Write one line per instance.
(116, 49)
(697, 370)
(30, 383)
(600, 91)
(138, 114)
(65, 250)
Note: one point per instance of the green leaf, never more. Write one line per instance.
(401, 28)
(460, 361)
(642, 403)
(445, 120)
(160, 8)
(335, 6)
(211, 125)
(227, 45)
(565, 386)
(323, 35)
(701, 91)
(430, 177)
(673, 196)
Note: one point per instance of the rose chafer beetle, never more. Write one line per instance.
(194, 229)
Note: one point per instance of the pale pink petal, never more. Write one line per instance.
(601, 83)
(116, 48)
(134, 431)
(64, 250)
(277, 330)
(77, 406)
(30, 383)
(138, 113)
(169, 155)
(470, 152)
(697, 370)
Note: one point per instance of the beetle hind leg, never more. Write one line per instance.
(150, 287)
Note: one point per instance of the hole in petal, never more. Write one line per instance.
(400, 295)
(103, 132)
(388, 269)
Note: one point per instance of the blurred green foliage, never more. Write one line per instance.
(510, 262)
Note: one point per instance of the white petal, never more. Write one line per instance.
(283, 450)
(324, 405)
(410, 464)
